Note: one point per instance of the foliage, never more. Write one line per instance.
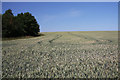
(20, 25)
(0, 25)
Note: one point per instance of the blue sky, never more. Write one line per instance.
(69, 16)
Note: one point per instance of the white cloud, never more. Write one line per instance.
(68, 14)
(74, 13)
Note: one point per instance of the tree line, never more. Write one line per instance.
(24, 24)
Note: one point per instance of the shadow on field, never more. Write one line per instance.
(22, 37)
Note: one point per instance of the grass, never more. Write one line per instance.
(62, 55)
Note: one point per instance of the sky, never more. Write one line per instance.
(69, 16)
(60, 0)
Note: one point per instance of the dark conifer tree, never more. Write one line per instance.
(7, 23)
(20, 25)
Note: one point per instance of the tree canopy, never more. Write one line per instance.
(24, 24)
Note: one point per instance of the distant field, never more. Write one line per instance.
(87, 54)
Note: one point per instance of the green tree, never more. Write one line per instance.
(20, 25)
(7, 23)
(0, 25)
(19, 22)
(30, 24)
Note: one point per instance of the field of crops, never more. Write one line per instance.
(62, 55)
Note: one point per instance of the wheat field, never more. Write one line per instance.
(82, 54)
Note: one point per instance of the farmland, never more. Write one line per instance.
(85, 54)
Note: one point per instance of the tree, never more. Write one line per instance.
(20, 25)
(7, 23)
(0, 25)
(30, 24)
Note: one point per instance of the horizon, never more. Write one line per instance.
(86, 31)
(64, 16)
